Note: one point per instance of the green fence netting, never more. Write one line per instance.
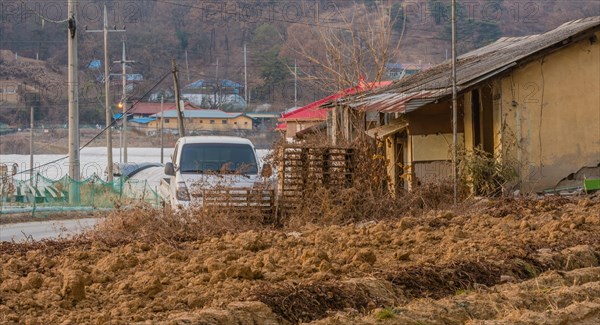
(40, 192)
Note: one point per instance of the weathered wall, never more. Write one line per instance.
(435, 118)
(432, 157)
(551, 107)
(433, 146)
(432, 172)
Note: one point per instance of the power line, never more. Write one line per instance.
(42, 17)
(101, 131)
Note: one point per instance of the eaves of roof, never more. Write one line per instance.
(472, 68)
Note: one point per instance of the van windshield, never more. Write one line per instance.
(220, 158)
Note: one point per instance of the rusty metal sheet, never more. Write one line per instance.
(472, 68)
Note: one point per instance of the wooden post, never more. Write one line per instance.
(162, 128)
(31, 146)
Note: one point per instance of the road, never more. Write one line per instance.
(45, 229)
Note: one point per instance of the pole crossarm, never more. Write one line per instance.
(106, 31)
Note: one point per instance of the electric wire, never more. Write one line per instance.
(42, 17)
(101, 131)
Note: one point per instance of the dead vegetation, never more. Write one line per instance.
(353, 254)
(150, 225)
(144, 264)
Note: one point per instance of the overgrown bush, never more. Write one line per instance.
(367, 197)
(488, 175)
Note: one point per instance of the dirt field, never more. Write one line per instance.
(494, 262)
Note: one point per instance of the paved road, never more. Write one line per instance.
(45, 229)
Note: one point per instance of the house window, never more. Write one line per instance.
(223, 121)
(166, 120)
(234, 122)
(212, 121)
(245, 123)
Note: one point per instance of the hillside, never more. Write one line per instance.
(160, 30)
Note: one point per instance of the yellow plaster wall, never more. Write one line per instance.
(240, 122)
(434, 146)
(552, 111)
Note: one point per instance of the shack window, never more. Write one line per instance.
(166, 120)
(212, 121)
(223, 121)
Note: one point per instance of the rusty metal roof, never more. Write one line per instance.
(472, 68)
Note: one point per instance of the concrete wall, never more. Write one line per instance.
(550, 108)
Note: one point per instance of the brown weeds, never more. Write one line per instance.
(165, 225)
(366, 197)
(307, 302)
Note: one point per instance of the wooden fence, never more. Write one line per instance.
(302, 169)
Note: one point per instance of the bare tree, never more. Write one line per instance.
(354, 47)
(351, 51)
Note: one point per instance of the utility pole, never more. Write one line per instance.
(187, 66)
(123, 103)
(177, 101)
(74, 173)
(162, 128)
(218, 84)
(454, 108)
(31, 145)
(245, 76)
(295, 84)
(109, 156)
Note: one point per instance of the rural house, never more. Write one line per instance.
(312, 117)
(203, 120)
(221, 93)
(532, 99)
(147, 109)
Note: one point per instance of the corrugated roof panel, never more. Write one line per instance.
(475, 66)
(385, 130)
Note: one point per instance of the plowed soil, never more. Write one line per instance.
(486, 262)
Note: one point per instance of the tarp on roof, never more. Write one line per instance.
(143, 120)
(118, 116)
(95, 64)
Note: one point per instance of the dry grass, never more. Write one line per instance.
(312, 301)
(148, 224)
(367, 197)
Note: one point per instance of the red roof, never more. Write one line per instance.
(312, 110)
(147, 108)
